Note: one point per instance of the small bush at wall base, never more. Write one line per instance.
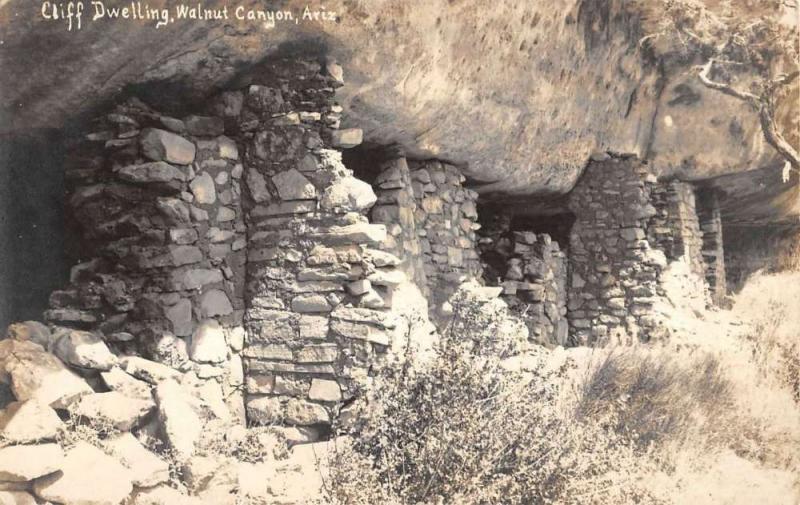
(465, 430)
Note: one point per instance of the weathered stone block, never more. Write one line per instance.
(347, 138)
(203, 189)
(157, 171)
(268, 351)
(208, 343)
(292, 185)
(360, 331)
(310, 303)
(325, 391)
(313, 327)
(348, 194)
(215, 303)
(321, 353)
(161, 145)
(265, 410)
(303, 413)
(180, 316)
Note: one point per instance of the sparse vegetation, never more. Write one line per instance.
(651, 397)
(776, 354)
(466, 430)
(82, 429)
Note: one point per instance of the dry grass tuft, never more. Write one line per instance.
(652, 398)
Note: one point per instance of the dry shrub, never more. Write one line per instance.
(651, 398)
(252, 445)
(465, 430)
(777, 352)
(78, 428)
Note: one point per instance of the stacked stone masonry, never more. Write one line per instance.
(157, 203)
(713, 251)
(318, 289)
(446, 219)
(236, 245)
(675, 227)
(614, 268)
(535, 284)
(397, 209)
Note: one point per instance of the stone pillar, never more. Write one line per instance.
(675, 229)
(317, 290)
(396, 208)
(157, 200)
(713, 250)
(446, 219)
(613, 268)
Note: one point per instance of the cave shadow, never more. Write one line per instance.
(32, 233)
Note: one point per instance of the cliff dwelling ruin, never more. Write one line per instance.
(243, 219)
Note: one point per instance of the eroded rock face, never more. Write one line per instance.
(518, 93)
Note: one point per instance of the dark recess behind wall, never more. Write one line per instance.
(32, 256)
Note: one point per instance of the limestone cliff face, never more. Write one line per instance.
(517, 93)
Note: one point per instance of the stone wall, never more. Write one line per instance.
(446, 219)
(236, 245)
(675, 228)
(614, 269)
(157, 203)
(397, 209)
(535, 286)
(318, 292)
(713, 249)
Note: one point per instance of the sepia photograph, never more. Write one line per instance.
(400, 252)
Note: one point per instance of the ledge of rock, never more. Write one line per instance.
(518, 94)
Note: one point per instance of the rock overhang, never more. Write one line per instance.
(519, 96)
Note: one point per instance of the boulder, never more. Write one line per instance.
(208, 343)
(148, 371)
(88, 477)
(292, 185)
(38, 375)
(146, 468)
(122, 412)
(28, 422)
(348, 194)
(30, 331)
(118, 380)
(180, 424)
(21, 463)
(161, 145)
(83, 349)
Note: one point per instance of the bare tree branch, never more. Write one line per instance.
(774, 137)
(725, 88)
(762, 104)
